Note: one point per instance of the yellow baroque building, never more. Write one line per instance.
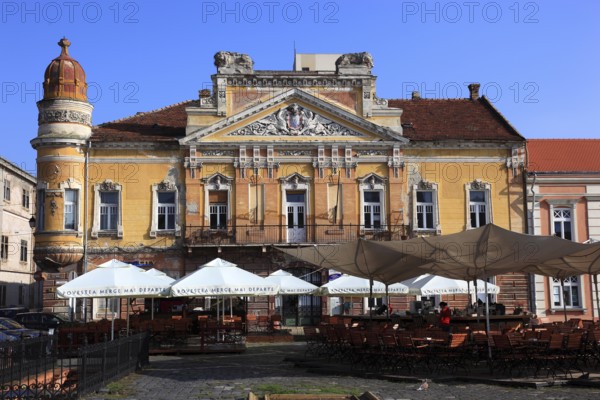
(266, 158)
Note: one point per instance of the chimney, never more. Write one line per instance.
(416, 95)
(474, 91)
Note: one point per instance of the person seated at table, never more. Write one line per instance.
(534, 320)
(382, 309)
(444, 317)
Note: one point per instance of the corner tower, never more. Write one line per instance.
(64, 127)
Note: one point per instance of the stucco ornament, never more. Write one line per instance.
(229, 62)
(295, 120)
(363, 58)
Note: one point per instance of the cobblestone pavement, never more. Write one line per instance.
(262, 368)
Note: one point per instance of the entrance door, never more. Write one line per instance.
(300, 310)
(296, 217)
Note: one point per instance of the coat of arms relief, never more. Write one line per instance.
(295, 120)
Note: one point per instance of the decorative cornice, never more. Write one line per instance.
(295, 153)
(218, 153)
(294, 81)
(50, 116)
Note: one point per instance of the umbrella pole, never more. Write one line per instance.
(597, 298)
(152, 309)
(562, 287)
(127, 317)
(487, 317)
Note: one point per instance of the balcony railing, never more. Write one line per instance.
(197, 236)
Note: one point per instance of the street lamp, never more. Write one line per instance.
(32, 222)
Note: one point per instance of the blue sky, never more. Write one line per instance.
(536, 60)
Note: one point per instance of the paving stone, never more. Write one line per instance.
(233, 376)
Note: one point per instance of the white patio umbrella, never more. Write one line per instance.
(222, 278)
(430, 285)
(353, 286)
(348, 285)
(115, 278)
(289, 284)
(161, 275)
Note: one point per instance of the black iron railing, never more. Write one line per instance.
(281, 234)
(38, 368)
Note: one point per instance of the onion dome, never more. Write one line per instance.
(64, 78)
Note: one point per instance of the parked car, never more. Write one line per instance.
(10, 312)
(13, 328)
(40, 320)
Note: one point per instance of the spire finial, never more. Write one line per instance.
(64, 43)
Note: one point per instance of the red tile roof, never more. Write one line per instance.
(453, 119)
(165, 125)
(563, 155)
(422, 120)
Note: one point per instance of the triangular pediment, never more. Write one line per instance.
(294, 115)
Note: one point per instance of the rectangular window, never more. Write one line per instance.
(41, 196)
(25, 199)
(478, 208)
(562, 223)
(166, 210)
(218, 209)
(109, 211)
(6, 190)
(4, 247)
(70, 209)
(570, 293)
(23, 250)
(106, 307)
(372, 210)
(218, 216)
(425, 208)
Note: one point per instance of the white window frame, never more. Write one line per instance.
(6, 190)
(26, 199)
(71, 184)
(570, 282)
(217, 209)
(165, 186)
(425, 186)
(217, 183)
(23, 250)
(107, 186)
(478, 186)
(112, 209)
(100, 308)
(73, 207)
(373, 183)
(169, 210)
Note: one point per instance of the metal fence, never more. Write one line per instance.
(281, 234)
(38, 369)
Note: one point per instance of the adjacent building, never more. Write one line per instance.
(267, 158)
(18, 288)
(563, 195)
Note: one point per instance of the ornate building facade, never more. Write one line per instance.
(18, 285)
(266, 158)
(563, 192)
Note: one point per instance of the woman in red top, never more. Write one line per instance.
(445, 314)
